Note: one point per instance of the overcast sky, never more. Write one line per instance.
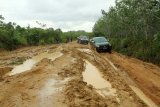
(64, 14)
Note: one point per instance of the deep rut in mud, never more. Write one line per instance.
(68, 75)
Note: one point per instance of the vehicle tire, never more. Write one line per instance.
(97, 49)
(80, 42)
(109, 51)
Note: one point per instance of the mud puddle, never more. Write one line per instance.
(29, 64)
(51, 87)
(143, 97)
(88, 51)
(92, 76)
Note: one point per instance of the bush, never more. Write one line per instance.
(147, 50)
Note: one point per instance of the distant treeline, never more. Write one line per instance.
(13, 36)
(133, 27)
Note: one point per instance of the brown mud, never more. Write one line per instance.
(72, 75)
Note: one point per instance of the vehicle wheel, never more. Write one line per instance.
(97, 49)
(80, 42)
(110, 51)
(87, 43)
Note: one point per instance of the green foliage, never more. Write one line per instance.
(133, 27)
(72, 35)
(146, 50)
(13, 36)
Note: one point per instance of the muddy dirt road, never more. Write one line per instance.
(72, 75)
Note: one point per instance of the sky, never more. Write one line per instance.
(65, 14)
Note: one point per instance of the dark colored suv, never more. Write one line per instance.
(100, 44)
(82, 40)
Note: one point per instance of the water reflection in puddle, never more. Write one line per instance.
(51, 87)
(29, 64)
(92, 76)
(51, 56)
(86, 51)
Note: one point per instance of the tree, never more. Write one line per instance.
(131, 25)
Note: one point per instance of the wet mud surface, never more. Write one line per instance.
(69, 75)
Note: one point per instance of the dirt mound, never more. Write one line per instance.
(79, 94)
(3, 71)
(73, 70)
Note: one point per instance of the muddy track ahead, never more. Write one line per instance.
(144, 75)
(70, 75)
